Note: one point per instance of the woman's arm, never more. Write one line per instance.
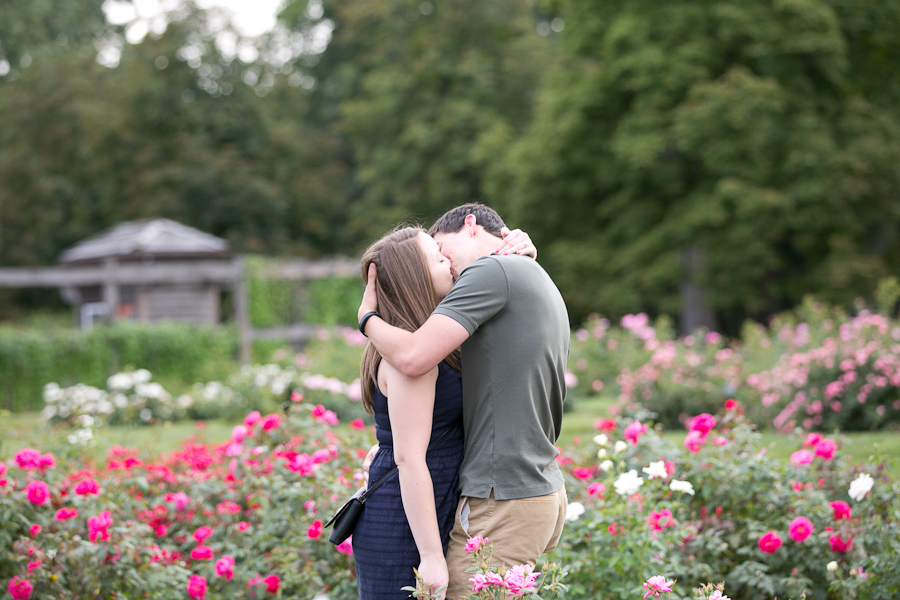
(410, 406)
(516, 241)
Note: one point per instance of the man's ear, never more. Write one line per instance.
(470, 224)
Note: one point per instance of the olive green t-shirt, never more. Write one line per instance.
(513, 376)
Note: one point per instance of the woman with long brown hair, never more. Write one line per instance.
(407, 521)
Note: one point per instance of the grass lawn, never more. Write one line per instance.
(23, 430)
(858, 445)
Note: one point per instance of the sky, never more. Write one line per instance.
(250, 17)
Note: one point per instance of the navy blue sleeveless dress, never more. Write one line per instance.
(383, 544)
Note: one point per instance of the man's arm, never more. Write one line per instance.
(413, 354)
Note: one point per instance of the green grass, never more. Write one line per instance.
(859, 446)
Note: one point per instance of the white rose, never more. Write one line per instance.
(860, 486)
(682, 486)
(601, 440)
(620, 447)
(574, 510)
(628, 483)
(606, 465)
(601, 453)
(141, 376)
(832, 566)
(656, 470)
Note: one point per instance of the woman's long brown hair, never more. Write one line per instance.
(406, 295)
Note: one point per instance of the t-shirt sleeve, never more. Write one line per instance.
(479, 294)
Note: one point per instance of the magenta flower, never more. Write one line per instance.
(801, 457)
(64, 514)
(800, 529)
(634, 431)
(346, 547)
(521, 580)
(34, 529)
(839, 544)
(273, 582)
(825, 448)
(270, 422)
(202, 533)
(196, 587)
(87, 487)
(203, 553)
(20, 589)
(596, 489)
(98, 527)
(770, 542)
(657, 584)
(659, 520)
(37, 492)
(694, 441)
(582, 473)
(812, 439)
(315, 530)
(704, 423)
(841, 510)
(475, 543)
(225, 567)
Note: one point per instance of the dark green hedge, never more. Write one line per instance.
(175, 353)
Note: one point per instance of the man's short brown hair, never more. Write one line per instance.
(453, 220)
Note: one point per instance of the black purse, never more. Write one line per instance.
(344, 520)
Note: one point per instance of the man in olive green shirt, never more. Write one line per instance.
(512, 324)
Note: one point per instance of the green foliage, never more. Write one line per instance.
(332, 301)
(178, 354)
(27, 26)
(752, 134)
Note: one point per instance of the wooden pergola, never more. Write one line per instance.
(174, 257)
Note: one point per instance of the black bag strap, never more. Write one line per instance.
(365, 495)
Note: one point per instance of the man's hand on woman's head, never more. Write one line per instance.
(516, 242)
(370, 296)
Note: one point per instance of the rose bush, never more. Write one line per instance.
(815, 368)
(243, 518)
(727, 512)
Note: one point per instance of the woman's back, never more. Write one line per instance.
(383, 543)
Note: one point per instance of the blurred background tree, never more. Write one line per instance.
(713, 161)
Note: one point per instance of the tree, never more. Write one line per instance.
(425, 94)
(741, 153)
(26, 26)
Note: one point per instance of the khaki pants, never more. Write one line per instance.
(520, 531)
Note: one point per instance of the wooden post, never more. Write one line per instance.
(242, 312)
(111, 287)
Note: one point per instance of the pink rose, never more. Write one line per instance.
(634, 431)
(694, 441)
(770, 542)
(273, 582)
(720, 441)
(225, 567)
(28, 459)
(812, 439)
(98, 526)
(243, 526)
(270, 422)
(657, 584)
(800, 529)
(838, 544)
(34, 529)
(605, 424)
(801, 457)
(202, 533)
(475, 543)
(346, 547)
(20, 589)
(315, 529)
(582, 473)
(704, 423)
(317, 411)
(596, 489)
(841, 510)
(3, 468)
(203, 553)
(659, 520)
(196, 587)
(825, 448)
(87, 487)
(252, 418)
(355, 424)
(37, 492)
(239, 433)
(520, 580)
(64, 514)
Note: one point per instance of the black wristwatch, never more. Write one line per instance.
(366, 317)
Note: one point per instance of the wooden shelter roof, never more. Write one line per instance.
(147, 239)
